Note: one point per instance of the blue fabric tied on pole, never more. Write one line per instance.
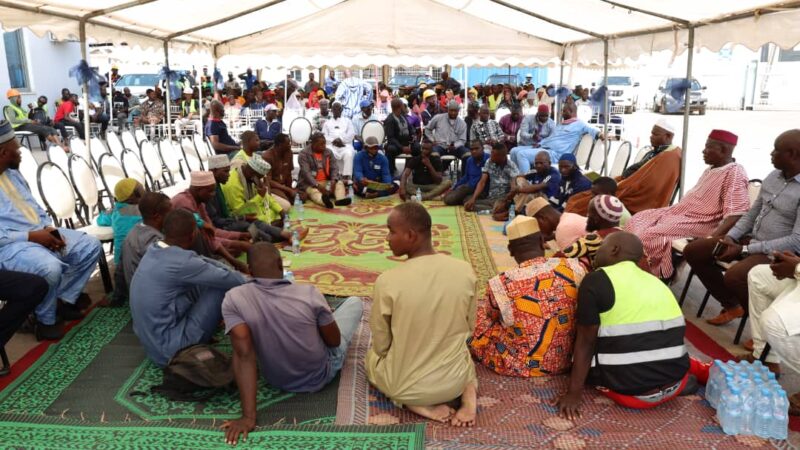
(219, 82)
(82, 73)
(172, 78)
(677, 95)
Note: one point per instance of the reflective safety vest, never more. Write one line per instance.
(20, 118)
(640, 340)
(192, 107)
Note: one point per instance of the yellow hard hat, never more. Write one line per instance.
(115, 67)
(428, 93)
(12, 93)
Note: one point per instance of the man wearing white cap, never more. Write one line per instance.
(269, 127)
(647, 184)
(188, 116)
(339, 134)
(525, 325)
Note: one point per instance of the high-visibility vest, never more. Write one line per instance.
(20, 119)
(192, 107)
(640, 339)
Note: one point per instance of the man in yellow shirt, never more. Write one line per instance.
(419, 356)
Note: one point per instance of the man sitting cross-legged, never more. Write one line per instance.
(473, 170)
(543, 181)
(319, 178)
(423, 172)
(419, 356)
(498, 178)
(285, 329)
(526, 323)
(176, 295)
(628, 344)
(153, 207)
(371, 175)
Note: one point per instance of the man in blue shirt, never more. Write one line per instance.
(176, 295)
(268, 128)
(371, 175)
(217, 131)
(564, 138)
(249, 78)
(572, 181)
(534, 129)
(473, 169)
(543, 181)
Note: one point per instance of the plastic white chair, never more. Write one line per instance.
(152, 163)
(753, 189)
(584, 150)
(170, 160)
(584, 113)
(202, 147)
(289, 116)
(84, 181)
(128, 141)
(114, 144)
(193, 161)
(58, 156)
(597, 158)
(620, 159)
(97, 148)
(375, 129)
(642, 151)
(29, 168)
(300, 130)
(500, 113)
(110, 173)
(56, 192)
(77, 147)
(139, 135)
(133, 167)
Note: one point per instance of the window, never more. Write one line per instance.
(15, 58)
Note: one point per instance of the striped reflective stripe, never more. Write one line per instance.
(621, 359)
(626, 329)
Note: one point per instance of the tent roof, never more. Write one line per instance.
(416, 32)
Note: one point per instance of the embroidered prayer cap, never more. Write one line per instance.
(534, 206)
(608, 207)
(218, 162)
(258, 164)
(6, 131)
(428, 93)
(666, 126)
(522, 226)
(724, 136)
(371, 141)
(124, 189)
(200, 179)
(543, 108)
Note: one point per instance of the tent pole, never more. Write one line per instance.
(556, 103)
(169, 114)
(687, 102)
(200, 102)
(86, 120)
(606, 110)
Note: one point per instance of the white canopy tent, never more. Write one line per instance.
(313, 33)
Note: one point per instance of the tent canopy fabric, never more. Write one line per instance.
(415, 32)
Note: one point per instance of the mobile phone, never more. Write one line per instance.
(63, 250)
(717, 249)
(54, 232)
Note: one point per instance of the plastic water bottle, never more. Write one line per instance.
(484, 212)
(780, 413)
(288, 275)
(295, 243)
(712, 387)
(286, 224)
(419, 195)
(731, 417)
(749, 395)
(298, 207)
(762, 422)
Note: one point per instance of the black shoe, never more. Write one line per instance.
(49, 332)
(326, 199)
(29, 325)
(83, 301)
(67, 311)
(343, 202)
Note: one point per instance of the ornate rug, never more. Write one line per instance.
(346, 248)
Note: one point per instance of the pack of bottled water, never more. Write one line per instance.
(748, 399)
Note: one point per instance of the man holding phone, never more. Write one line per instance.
(29, 243)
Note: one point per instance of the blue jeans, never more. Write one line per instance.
(348, 317)
(458, 152)
(65, 275)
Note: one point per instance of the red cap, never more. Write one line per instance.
(724, 136)
(543, 108)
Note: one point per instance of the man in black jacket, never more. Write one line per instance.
(399, 135)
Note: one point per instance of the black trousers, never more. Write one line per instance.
(392, 151)
(22, 292)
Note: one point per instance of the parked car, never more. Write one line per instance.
(622, 91)
(403, 81)
(499, 78)
(138, 83)
(665, 100)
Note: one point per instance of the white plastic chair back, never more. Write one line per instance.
(209, 149)
(500, 113)
(620, 159)
(133, 167)
(97, 148)
(151, 161)
(753, 189)
(311, 114)
(598, 157)
(110, 172)
(203, 148)
(583, 150)
(288, 117)
(56, 191)
(190, 155)
(83, 180)
(29, 169)
(77, 147)
(128, 141)
(300, 130)
(58, 156)
(114, 144)
(140, 136)
(169, 157)
(585, 113)
(642, 151)
(373, 128)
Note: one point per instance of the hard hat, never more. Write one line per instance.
(115, 67)
(428, 93)
(12, 93)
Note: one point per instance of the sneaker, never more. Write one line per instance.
(49, 332)
(67, 311)
(326, 199)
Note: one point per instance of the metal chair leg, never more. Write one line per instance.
(765, 352)
(742, 322)
(105, 274)
(686, 287)
(6, 368)
(703, 304)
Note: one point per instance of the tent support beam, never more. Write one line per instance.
(224, 19)
(549, 20)
(649, 13)
(86, 120)
(687, 107)
(169, 103)
(606, 109)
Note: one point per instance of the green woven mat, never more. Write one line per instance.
(46, 434)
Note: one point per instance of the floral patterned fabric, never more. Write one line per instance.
(525, 325)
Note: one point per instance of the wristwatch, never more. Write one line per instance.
(797, 272)
(744, 253)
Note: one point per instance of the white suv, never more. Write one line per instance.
(623, 91)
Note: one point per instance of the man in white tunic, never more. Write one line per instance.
(339, 134)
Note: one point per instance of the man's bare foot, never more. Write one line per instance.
(439, 413)
(465, 416)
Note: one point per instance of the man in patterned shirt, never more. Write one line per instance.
(485, 130)
(525, 325)
(499, 174)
